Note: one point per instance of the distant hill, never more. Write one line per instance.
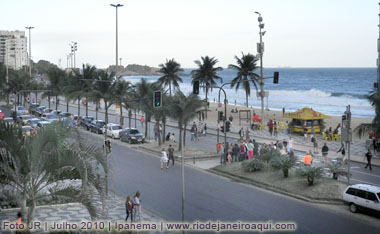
(135, 70)
(42, 66)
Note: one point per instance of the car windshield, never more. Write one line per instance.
(100, 124)
(134, 131)
(27, 129)
(51, 116)
(116, 127)
(34, 121)
(66, 114)
(20, 108)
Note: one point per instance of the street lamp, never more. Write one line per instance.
(260, 50)
(30, 51)
(73, 49)
(116, 6)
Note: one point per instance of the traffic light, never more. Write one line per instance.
(220, 115)
(376, 85)
(222, 128)
(196, 87)
(228, 126)
(275, 77)
(157, 99)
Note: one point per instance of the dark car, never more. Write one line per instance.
(97, 126)
(39, 111)
(33, 107)
(131, 135)
(85, 122)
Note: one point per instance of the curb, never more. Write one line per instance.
(273, 189)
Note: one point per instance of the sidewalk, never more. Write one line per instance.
(76, 213)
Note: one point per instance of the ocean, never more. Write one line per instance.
(327, 90)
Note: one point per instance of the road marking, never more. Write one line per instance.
(366, 173)
(354, 167)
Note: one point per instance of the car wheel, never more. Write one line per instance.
(130, 141)
(113, 136)
(353, 208)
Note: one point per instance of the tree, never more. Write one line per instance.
(121, 89)
(364, 129)
(56, 77)
(207, 73)
(102, 89)
(88, 76)
(170, 71)
(39, 166)
(144, 92)
(183, 110)
(246, 65)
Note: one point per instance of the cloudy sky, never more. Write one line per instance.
(312, 33)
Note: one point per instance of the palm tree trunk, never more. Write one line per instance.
(56, 102)
(206, 101)
(246, 99)
(129, 117)
(146, 126)
(170, 89)
(184, 136)
(86, 106)
(78, 107)
(67, 105)
(106, 112)
(49, 100)
(96, 109)
(121, 116)
(180, 137)
(32, 205)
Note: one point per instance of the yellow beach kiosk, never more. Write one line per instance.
(306, 118)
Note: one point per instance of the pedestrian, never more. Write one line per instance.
(142, 120)
(283, 111)
(243, 151)
(308, 160)
(368, 143)
(164, 159)
(270, 127)
(250, 147)
(129, 208)
(167, 138)
(369, 157)
(19, 221)
(218, 146)
(192, 131)
(229, 154)
(172, 137)
(325, 152)
(235, 152)
(275, 128)
(222, 153)
(312, 131)
(205, 130)
(171, 155)
(343, 150)
(247, 134)
(230, 118)
(137, 206)
(241, 133)
(305, 134)
(315, 144)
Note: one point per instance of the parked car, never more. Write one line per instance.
(65, 115)
(33, 107)
(49, 117)
(23, 119)
(9, 120)
(47, 110)
(131, 135)
(97, 126)
(85, 122)
(21, 110)
(43, 124)
(33, 122)
(362, 196)
(113, 130)
(39, 111)
(56, 112)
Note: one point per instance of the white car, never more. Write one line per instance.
(33, 122)
(43, 124)
(113, 130)
(362, 196)
(21, 110)
(49, 117)
(24, 119)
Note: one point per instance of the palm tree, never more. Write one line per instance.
(207, 73)
(170, 76)
(183, 109)
(56, 77)
(88, 76)
(121, 88)
(103, 89)
(246, 65)
(39, 166)
(364, 129)
(73, 89)
(144, 91)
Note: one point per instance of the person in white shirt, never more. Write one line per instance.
(137, 206)
(164, 159)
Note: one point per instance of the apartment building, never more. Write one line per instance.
(13, 49)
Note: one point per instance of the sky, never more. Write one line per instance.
(299, 33)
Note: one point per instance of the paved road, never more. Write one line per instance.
(210, 197)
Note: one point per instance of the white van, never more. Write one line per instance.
(362, 196)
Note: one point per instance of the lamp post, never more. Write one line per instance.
(378, 52)
(30, 51)
(117, 56)
(73, 49)
(260, 50)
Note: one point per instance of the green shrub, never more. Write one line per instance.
(337, 170)
(267, 156)
(254, 165)
(284, 163)
(311, 173)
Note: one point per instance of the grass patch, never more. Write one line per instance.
(323, 189)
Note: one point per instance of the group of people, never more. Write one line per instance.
(133, 207)
(198, 130)
(166, 156)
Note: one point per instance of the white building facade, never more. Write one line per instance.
(13, 49)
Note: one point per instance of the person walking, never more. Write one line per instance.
(325, 152)
(235, 152)
(243, 151)
(247, 134)
(164, 159)
(369, 157)
(129, 208)
(222, 151)
(137, 206)
(270, 127)
(315, 144)
(250, 149)
(171, 155)
(241, 133)
(343, 150)
(142, 120)
(192, 131)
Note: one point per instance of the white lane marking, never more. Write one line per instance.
(366, 173)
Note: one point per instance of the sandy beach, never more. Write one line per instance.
(332, 122)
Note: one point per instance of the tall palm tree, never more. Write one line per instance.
(103, 89)
(183, 109)
(39, 166)
(89, 75)
(73, 89)
(121, 88)
(144, 91)
(246, 65)
(170, 71)
(207, 73)
(364, 129)
(55, 76)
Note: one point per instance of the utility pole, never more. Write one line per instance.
(347, 136)
(378, 52)
(73, 49)
(117, 55)
(30, 51)
(260, 50)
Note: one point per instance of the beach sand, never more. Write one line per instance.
(333, 122)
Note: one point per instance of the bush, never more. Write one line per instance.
(254, 165)
(337, 170)
(284, 163)
(267, 156)
(311, 173)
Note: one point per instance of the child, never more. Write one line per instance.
(229, 157)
